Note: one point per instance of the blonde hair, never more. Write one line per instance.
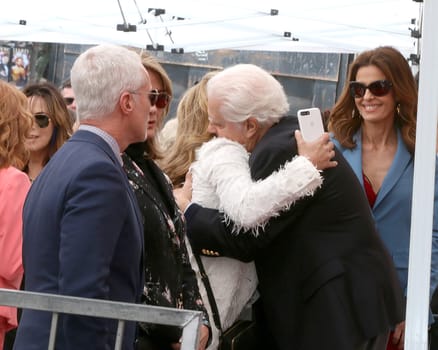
(152, 64)
(192, 116)
(15, 123)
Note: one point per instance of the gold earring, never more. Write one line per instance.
(399, 113)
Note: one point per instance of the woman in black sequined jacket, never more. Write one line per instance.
(169, 278)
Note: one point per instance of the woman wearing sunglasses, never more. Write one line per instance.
(15, 122)
(169, 278)
(374, 124)
(51, 125)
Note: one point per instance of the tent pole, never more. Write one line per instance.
(417, 310)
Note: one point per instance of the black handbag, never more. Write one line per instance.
(242, 335)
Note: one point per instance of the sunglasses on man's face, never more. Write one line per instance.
(158, 98)
(42, 120)
(69, 100)
(377, 88)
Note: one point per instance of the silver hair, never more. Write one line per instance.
(100, 75)
(246, 90)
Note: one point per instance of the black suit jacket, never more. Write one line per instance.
(325, 277)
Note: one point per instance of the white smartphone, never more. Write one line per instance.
(310, 121)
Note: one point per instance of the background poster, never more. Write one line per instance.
(5, 63)
(19, 64)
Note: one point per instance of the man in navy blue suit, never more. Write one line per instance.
(83, 234)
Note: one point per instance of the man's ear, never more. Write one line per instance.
(251, 127)
(126, 102)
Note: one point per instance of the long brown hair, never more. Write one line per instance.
(396, 69)
(192, 116)
(15, 123)
(57, 111)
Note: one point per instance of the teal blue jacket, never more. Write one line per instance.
(392, 209)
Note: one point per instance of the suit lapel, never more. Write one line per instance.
(401, 161)
(134, 172)
(87, 136)
(133, 200)
(354, 157)
(164, 184)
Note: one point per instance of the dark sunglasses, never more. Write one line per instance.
(377, 88)
(159, 98)
(69, 100)
(42, 120)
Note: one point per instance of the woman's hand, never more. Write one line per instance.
(319, 152)
(203, 337)
(398, 337)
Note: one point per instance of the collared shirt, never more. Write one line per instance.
(107, 138)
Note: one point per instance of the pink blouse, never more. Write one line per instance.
(14, 186)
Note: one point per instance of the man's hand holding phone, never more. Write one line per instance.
(320, 152)
(312, 141)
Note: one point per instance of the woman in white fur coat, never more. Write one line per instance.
(220, 178)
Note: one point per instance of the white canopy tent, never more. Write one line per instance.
(199, 25)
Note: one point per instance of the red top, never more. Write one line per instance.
(371, 195)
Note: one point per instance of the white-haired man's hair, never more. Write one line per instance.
(246, 90)
(100, 75)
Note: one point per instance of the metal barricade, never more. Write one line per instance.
(189, 320)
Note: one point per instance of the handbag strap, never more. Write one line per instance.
(209, 290)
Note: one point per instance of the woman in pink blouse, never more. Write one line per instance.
(15, 121)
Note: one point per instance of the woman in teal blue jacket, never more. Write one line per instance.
(374, 124)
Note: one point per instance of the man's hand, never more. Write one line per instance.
(319, 152)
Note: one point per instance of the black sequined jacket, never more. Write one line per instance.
(169, 278)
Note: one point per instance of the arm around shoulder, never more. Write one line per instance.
(222, 172)
(208, 231)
